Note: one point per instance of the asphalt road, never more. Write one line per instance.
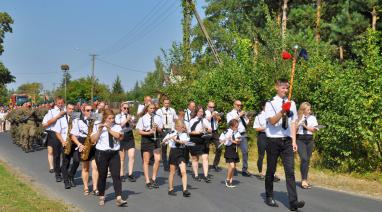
(248, 196)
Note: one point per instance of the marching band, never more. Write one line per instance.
(104, 140)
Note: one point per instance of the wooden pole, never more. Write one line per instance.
(292, 74)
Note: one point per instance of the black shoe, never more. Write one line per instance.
(131, 178)
(207, 179)
(186, 193)
(246, 173)
(296, 205)
(123, 179)
(149, 186)
(216, 168)
(51, 170)
(67, 184)
(154, 184)
(71, 181)
(58, 178)
(271, 202)
(172, 193)
(196, 178)
(276, 179)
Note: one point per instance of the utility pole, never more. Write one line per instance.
(209, 41)
(92, 87)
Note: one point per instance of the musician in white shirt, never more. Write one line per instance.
(106, 134)
(149, 126)
(168, 116)
(306, 124)
(53, 144)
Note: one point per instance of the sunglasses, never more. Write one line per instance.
(88, 110)
(239, 105)
(125, 108)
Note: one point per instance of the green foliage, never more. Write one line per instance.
(5, 75)
(117, 93)
(81, 89)
(5, 26)
(31, 89)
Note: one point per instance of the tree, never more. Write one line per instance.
(31, 89)
(80, 89)
(5, 75)
(5, 26)
(117, 86)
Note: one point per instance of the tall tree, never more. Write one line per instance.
(5, 26)
(117, 86)
(32, 89)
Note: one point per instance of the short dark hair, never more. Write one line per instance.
(282, 81)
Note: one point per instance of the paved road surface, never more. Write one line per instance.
(248, 196)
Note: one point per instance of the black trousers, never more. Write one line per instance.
(218, 152)
(261, 145)
(57, 150)
(104, 160)
(305, 149)
(280, 147)
(66, 163)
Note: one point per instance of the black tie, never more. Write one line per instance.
(111, 141)
(242, 120)
(284, 123)
(304, 130)
(166, 115)
(212, 123)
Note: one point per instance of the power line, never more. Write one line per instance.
(157, 7)
(146, 28)
(121, 67)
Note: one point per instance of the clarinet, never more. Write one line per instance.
(152, 126)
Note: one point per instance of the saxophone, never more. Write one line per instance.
(87, 142)
(68, 146)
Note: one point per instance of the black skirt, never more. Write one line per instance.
(231, 155)
(148, 144)
(128, 141)
(91, 153)
(201, 147)
(177, 155)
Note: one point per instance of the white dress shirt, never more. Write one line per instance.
(62, 126)
(271, 109)
(48, 116)
(80, 127)
(234, 114)
(141, 108)
(226, 136)
(168, 116)
(183, 137)
(200, 126)
(144, 123)
(209, 117)
(187, 115)
(260, 121)
(312, 122)
(103, 141)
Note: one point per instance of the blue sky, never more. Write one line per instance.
(127, 33)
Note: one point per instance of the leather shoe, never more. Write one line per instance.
(71, 181)
(296, 205)
(246, 173)
(186, 193)
(67, 184)
(172, 193)
(58, 178)
(271, 202)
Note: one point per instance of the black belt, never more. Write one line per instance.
(108, 151)
(260, 133)
(280, 139)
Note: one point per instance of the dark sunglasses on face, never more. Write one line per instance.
(125, 108)
(88, 110)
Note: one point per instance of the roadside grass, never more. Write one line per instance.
(16, 195)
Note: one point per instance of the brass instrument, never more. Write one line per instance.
(87, 142)
(153, 125)
(68, 146)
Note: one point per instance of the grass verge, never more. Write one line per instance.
(16, 195)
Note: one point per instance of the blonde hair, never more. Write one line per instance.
(301, 110)
(106, 113)
(180, 123)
